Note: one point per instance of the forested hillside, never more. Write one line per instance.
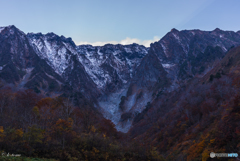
(44, 127)
(200, 118)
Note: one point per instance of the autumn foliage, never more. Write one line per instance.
(38, 126)
(205, 118)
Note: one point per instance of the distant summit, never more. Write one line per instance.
(174, 30)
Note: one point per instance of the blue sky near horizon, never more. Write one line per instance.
(98, 22)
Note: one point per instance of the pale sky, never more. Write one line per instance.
(98, 22)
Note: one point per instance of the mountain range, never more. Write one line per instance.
(118, 80)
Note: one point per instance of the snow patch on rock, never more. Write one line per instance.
(176, 37)
(164, 48)
(167, 65)
(110, 106)
(1, 28)
(128, 50)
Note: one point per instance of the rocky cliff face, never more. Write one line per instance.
(106, 68)
(189, 52)
(60, 53)
(20, 65)
(111, 66)
(172, 61)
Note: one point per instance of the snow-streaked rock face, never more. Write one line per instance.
(111, 66)
(54, 49)
(23, 66)
(61, 54)
(181, 52)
